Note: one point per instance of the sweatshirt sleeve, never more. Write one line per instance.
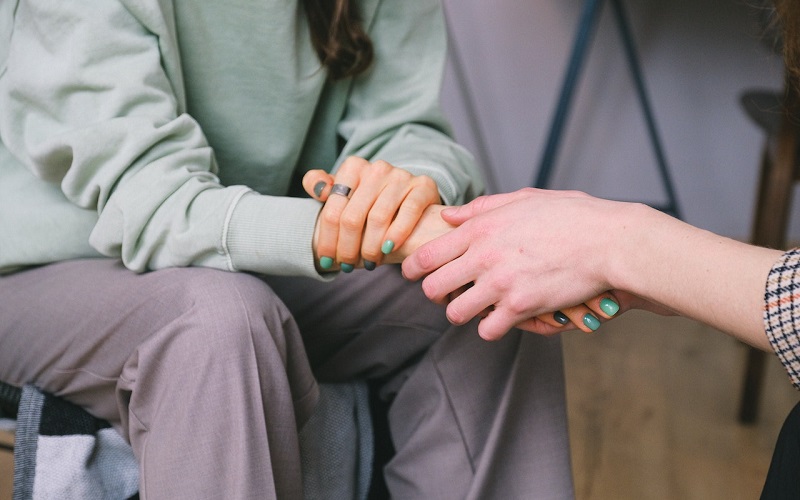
(393, 112)
(782, 312)
(92, 102)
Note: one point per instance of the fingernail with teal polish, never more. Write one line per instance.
(369, 265)
(347, 268)
(590, 321)
(387, 247)
(609, 307)
(560, 317)
(318, 187)
(325, 262)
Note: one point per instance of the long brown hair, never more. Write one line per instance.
(789, 15)
(338, 36)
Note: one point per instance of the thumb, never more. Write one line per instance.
(459, 215)
(317, 183)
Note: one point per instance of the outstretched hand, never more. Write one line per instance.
(517, 257)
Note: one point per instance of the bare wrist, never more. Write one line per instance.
(636, 229)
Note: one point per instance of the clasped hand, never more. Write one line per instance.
(388, 213)
(373, 224)
(522, 259)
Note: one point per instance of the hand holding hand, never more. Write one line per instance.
(377, 214)
(526, 254)
(598, 307)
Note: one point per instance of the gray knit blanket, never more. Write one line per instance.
(62, 452)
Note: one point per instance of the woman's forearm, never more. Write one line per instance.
(698, 274)
(534, 251)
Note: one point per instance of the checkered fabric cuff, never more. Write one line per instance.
(782, 312)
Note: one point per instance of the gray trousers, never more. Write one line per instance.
(209, 375)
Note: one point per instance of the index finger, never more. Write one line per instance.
(434, 254)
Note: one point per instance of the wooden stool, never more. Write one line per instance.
(778, 114)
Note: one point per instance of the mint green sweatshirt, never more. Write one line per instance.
(175, 133)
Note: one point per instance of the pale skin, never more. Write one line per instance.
(534, 251)
(385, 204)
(388, 203)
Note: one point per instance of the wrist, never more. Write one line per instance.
(631, 245)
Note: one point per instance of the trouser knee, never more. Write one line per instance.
(225, 315)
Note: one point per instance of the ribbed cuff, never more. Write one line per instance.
(273, 235)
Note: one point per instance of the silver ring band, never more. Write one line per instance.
(341, 189)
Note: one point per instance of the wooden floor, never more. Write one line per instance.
(652, 412)
(652, 405)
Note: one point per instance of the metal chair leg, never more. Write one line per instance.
(655, 140)
(586, 27)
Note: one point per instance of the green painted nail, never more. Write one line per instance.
(590, 321)
(560, 317)
(346, 268)
(369, 265)
(325, 262)
(609, 307)
(318, 187)
(387, 247)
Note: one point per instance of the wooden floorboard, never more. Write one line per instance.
(652, 407)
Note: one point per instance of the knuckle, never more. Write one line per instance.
(487, 260)
(426, 182)
(353, 160)
(516, 305)
(347, 164)
(348, 255)
(375, 172)
(371, 254)
(480, 203)
(351, 221)
(430, 287)
(352, 163)
(378, 171)
(381, 165)
(425, 258)
(330, 217)
(412, 208)
(486, 231)
(380, 217)
(489, 335)
(454, 315)
(400, 174)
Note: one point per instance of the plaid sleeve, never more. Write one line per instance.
(782, 312)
